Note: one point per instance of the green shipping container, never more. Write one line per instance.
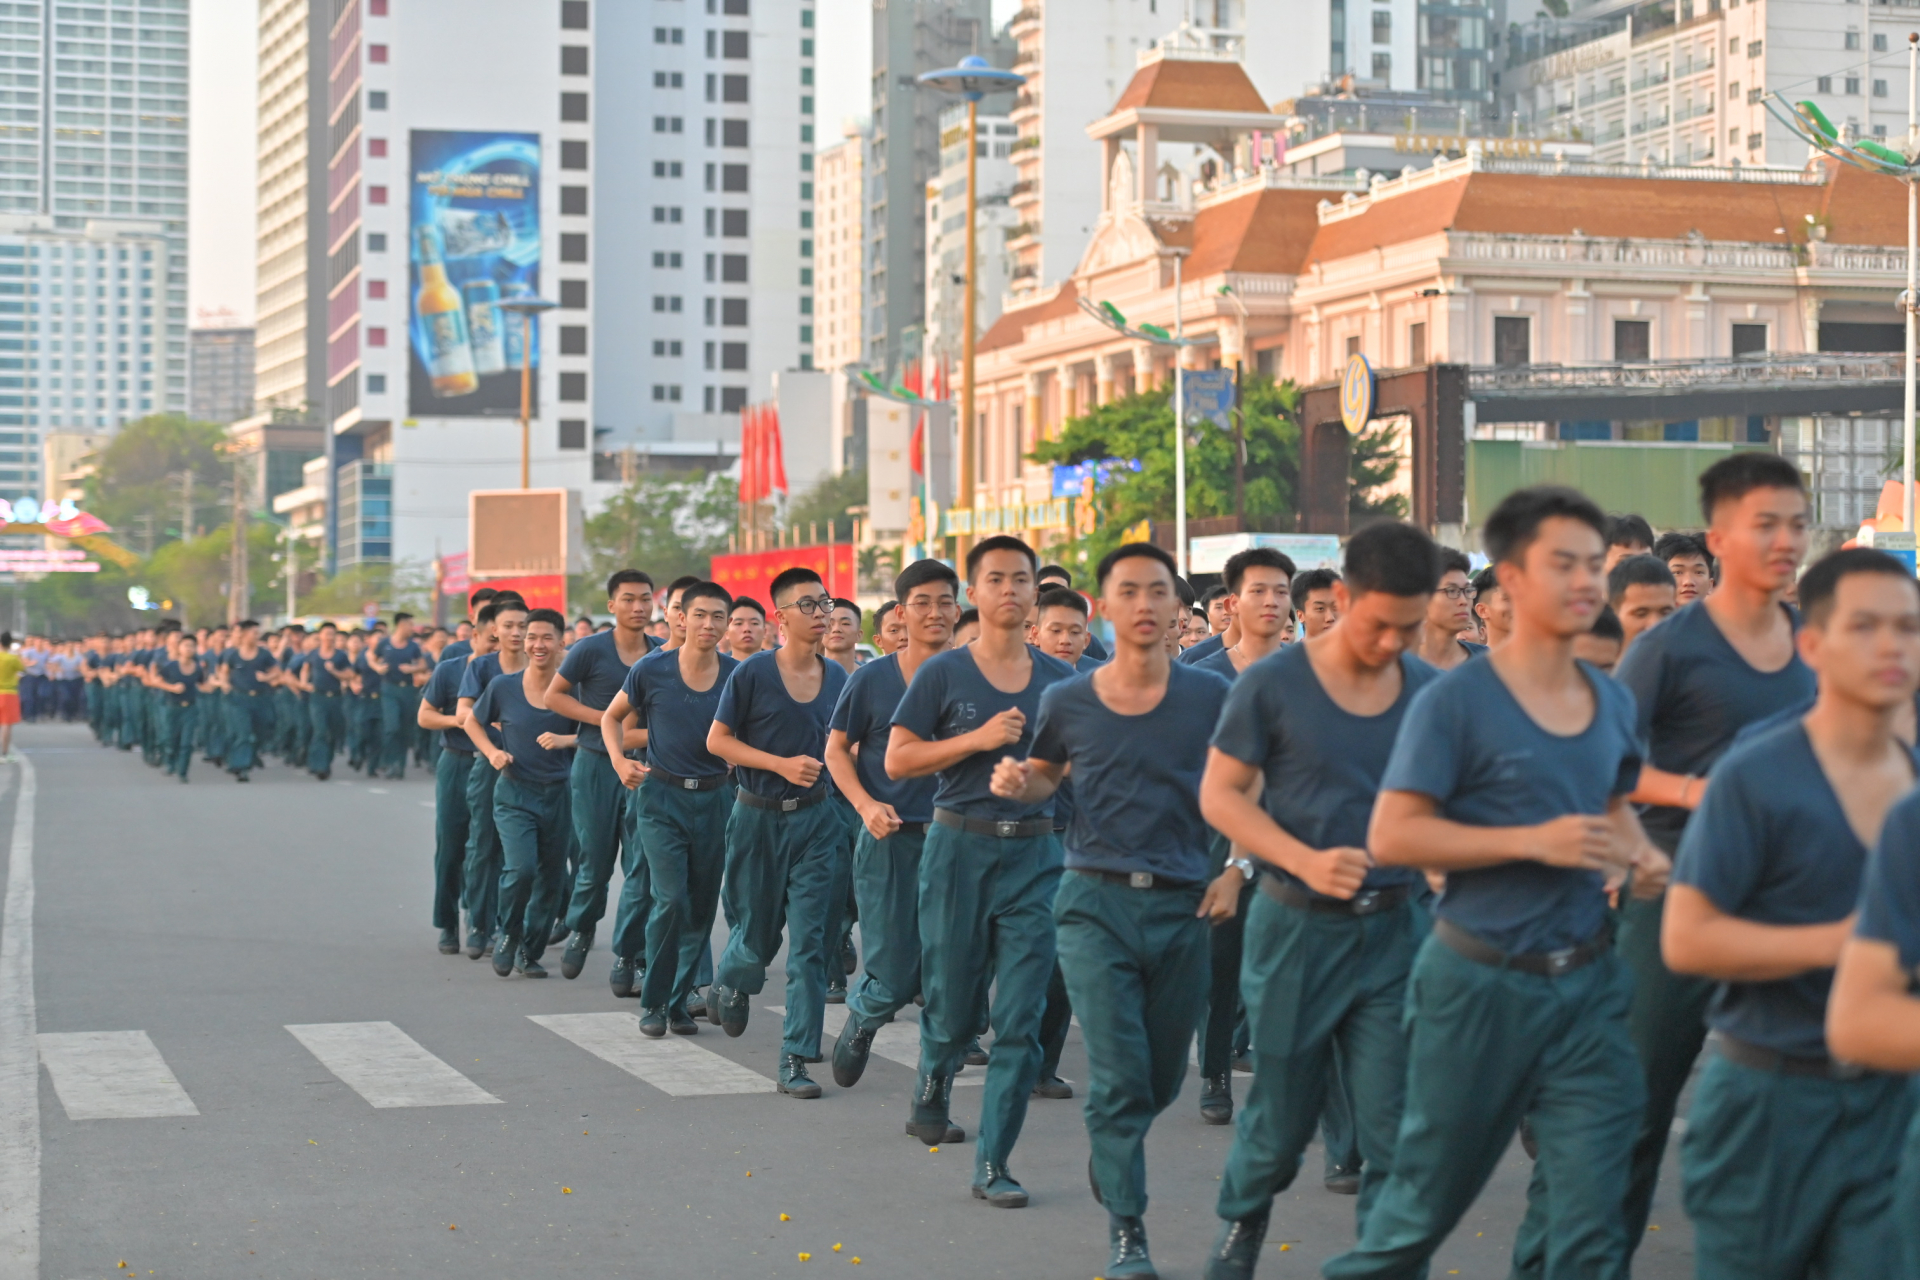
(1659, 481)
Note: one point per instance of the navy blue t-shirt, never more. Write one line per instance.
(1890, 891)
(1220, 662)
(393, 655)
(1322, 764)
(1096, 649)
(1467, 743)
(676, 716)
(594, 669)
(1204, 649)
(245, 673)
(1474, 648)
(865, 714)
(949, 697)
(325, 672)
(504, 702)
(1770, 843)
(190, 682)
(1695, 693)
(457, 649)
(442, 693)
(755, 704)
(1137, 803)
(474, 680)
(369, 678)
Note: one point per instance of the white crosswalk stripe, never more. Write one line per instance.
(386, 1066)
(676, 1066)
(898, 1041)
(112, 1075)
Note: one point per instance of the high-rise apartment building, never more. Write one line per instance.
(839, 205)
(704, 270)
(289, 184)
(220, 374)
(994, 222)
(93, 220)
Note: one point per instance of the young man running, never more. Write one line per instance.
(1313, 601)
(1054, 575)
(1133, 908)
(1492, 608)
(894, 814)
(1450, 616)
(179, 680)
(452, 816)
(1628, 535)
(396, 659)
(1060, 628)
(1292, 778)
(530, 798)
(590, 678)
(1231, 636)
(1698, 679)
(842, 641)
(889, 627)
(1685, 554)
(1511, 776)
(746, 628)
(320, 678)
(990, 866)
(500, 643)
(783, 838)
(246, 668)
(1641, 591)
(841, 646)
(1790, 1154)
(674, 611)
(680, 802)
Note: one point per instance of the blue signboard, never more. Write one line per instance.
(1070, 479)
(1209, 395)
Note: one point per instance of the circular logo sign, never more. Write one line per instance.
(1356, 394)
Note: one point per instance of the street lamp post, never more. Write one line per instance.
(526, 309)
(973, 80)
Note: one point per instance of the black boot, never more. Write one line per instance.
(1216, 1099)
(850, 1053)
(1129, 1260)
(794, 1080)
(1238, 1248)
(929, 1119)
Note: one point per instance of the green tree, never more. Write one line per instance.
(823, 505)
(136, 485)
(668, 525)
(407, 585)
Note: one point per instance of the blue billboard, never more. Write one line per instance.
(473, 243)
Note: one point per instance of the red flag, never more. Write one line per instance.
(749, 447)
(776, 451)
(911, 379)
(917, 446)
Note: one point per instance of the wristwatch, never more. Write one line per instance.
(1243, 865)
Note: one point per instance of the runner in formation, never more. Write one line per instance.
(1411, 867)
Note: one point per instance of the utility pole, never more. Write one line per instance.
(186, 505)
(238, 606)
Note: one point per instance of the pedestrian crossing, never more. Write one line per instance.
(122, 1075)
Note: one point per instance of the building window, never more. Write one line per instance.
(573, 107)
(1879, 42)
(376, 147)
(1416, 344)
(666, 259)
(666, 303)
(376, 288)
(733, 312)
(1512, 340)
(573, 431)
(573, 386)
(733, 133)
(573, 295)
(1824, 84)
(1852, 85)
(668, 80)
(733, 399)
(733, 222)
(1383, 66)
(666, 346)
(1754, 140)
(733, 268)
(669, 124)
(738, 8)
(573, 60)
(669, 35)
(376, 242)
(1749, 340)
(376, 337)
(666, 169)
(733, 355)
(573, 339)
(376, 195)
(573, 153)
(733, 44)
(573, 200)
(376, 99)
(1754, 46)
(1632, 341)
(1853, 41)
(573, 246)
(1879, 88)
(733, 88)
(377, 8)
(573, 15)
(376, 384)
(733, 177)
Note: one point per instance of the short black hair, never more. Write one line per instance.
(1265, 557)
(1485, 582)
(1215, 592)
(1515, 523)
(1147, 551)
(479, 596)
(1738, 474)
(508, 602)
(1642, 570)
(1392, 557)
(401, 617)
(621, 577)
(247, 624)
(1821, 584)
(1062, 598)
(880, 614)
(1054, 571)
(698, 590)
(552, 617)
(1606, 625)
(748, 602)
(1629, 531)
(326, 626)
(681, 583)
(921, 572)
(1672, 546)
(967, 617)
(841, 602)
(788, 579)
(1446, 560)
(999, 542)
(1312, 580)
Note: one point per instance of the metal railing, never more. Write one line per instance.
(1748, 372)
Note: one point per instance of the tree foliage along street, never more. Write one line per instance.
(1140, 427)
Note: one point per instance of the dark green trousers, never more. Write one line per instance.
(533, 822)
(1485, 1047)
(1793, 1176)
(1223, 994)
(1135, 963)
(1320, 987)
(668, 903)
(599, 824)
(1906, 1188)
(1668, 1022)
(323, 737)
(986, 920)
(886, 884)
(782, 874)
(185, 722)
(399, 709)
(249, 723)
(451, 822)
(482, 872)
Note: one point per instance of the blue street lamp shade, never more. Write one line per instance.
(974, 78)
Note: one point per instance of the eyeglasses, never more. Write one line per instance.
(1458, 593)
(811, 605)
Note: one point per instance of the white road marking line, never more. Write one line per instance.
(898, 1041)
(674, 1065)
(386, 1066)
(112, 1075)
(19, 1052)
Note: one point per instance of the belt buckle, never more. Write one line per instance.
(1140, 880)
(689, 784)
(1847, 1071)
(1364, 902)
(1006, 830)
(1560, 961)
(789, 806)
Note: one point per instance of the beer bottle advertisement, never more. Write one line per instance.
(475, 239)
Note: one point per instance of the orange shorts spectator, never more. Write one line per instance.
(9, 708)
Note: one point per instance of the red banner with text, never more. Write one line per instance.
(752, 573)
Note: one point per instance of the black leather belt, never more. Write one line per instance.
(1761, 1058)
(1367, 902)
(753, 801)
(1137, 879)
(711, 782)
(989, 827)
(1548, 964)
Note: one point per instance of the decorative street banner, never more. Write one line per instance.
(751, 573)
(474, 243)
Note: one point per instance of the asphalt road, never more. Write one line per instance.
(416, 1120)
